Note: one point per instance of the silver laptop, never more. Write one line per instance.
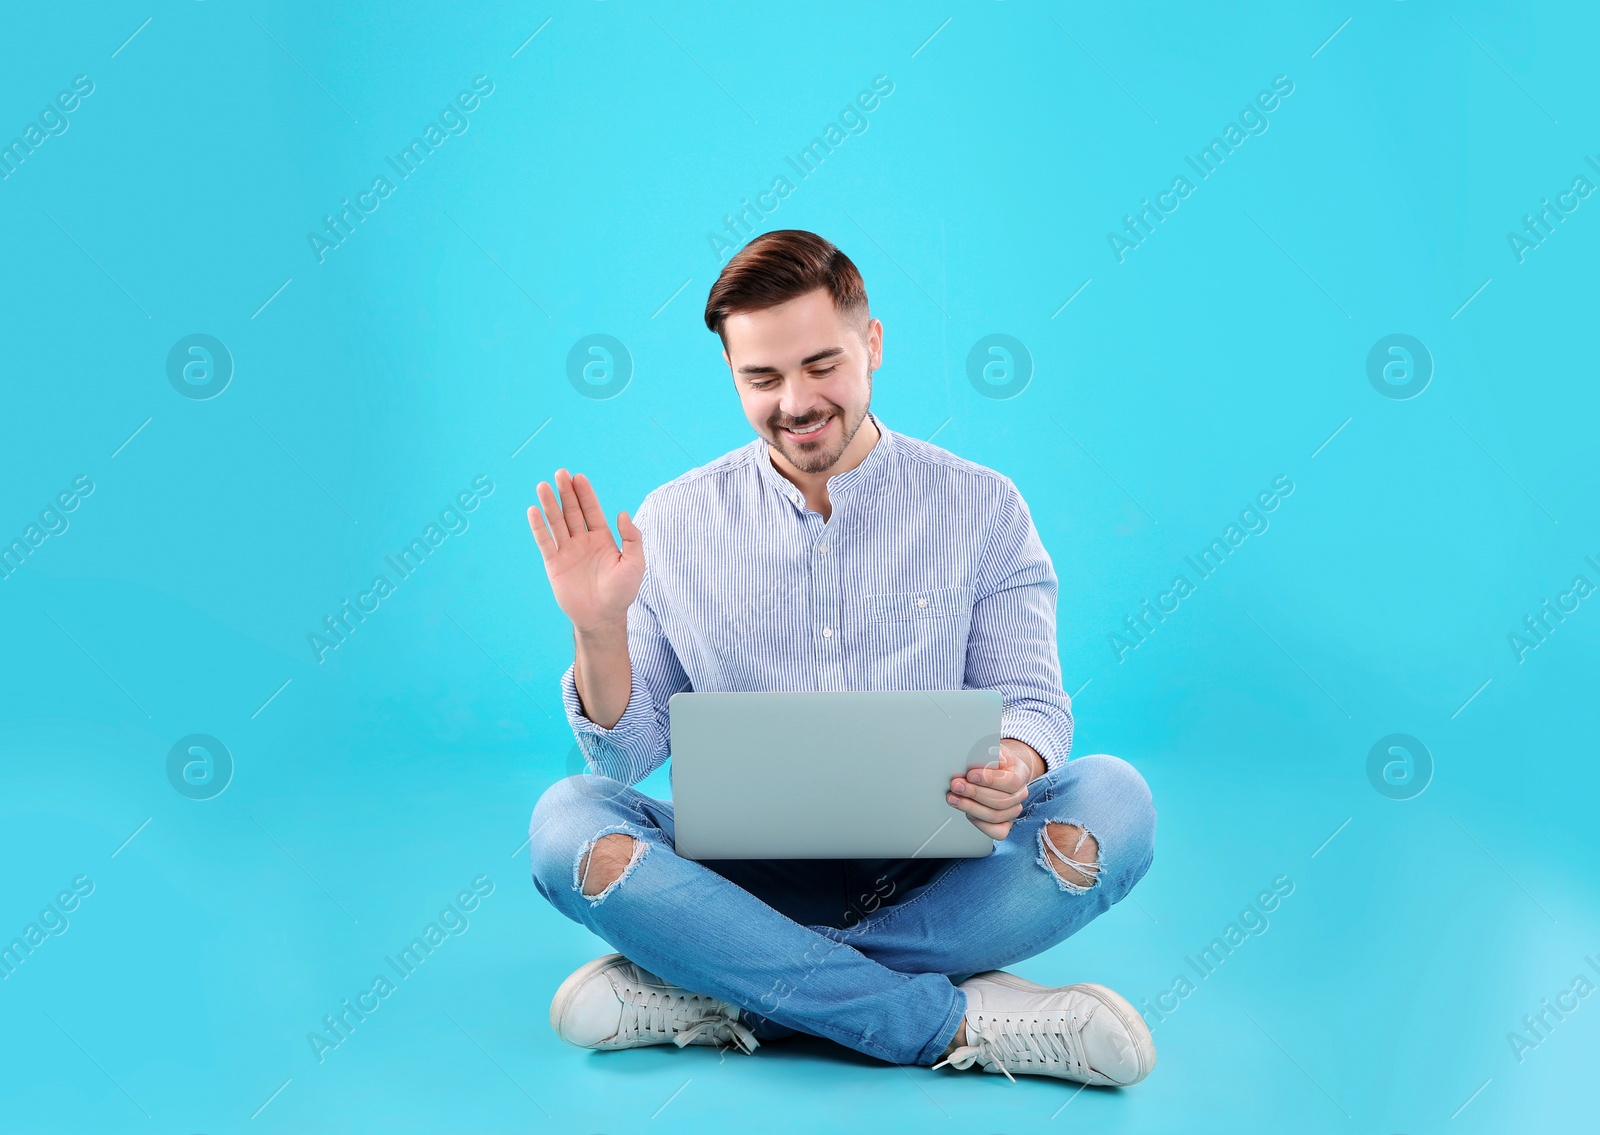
(829, 775)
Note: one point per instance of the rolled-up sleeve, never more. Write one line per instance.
(1011, 646)
(640, 741)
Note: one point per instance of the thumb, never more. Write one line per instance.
(632, 538)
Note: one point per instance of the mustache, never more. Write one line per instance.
(801, 425)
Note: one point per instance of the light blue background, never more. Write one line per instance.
(426, 350)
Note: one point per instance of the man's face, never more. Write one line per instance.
(799, 365)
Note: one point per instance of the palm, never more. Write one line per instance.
(590, 577)
(594, 581)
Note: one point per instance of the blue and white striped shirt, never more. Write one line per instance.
(928, 575)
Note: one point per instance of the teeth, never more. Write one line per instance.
(809, 432)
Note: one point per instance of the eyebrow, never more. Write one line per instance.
(805, 362)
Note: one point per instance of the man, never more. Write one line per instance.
(832, 553)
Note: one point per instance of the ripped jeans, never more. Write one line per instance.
(867, 953)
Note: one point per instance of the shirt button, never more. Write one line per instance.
(795, 497)
(822, 547)
(922, 602)
(827, 632)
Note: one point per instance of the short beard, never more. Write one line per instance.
(822, 462)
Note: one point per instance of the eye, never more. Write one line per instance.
(830, 370)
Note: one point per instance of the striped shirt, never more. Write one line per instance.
(927, 575)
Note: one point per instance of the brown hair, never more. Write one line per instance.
(779, 266)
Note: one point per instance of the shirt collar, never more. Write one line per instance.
(872, 468)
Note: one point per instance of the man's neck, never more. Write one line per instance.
(815, 485)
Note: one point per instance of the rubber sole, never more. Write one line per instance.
(1144, 1045)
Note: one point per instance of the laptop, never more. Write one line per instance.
(828, 775)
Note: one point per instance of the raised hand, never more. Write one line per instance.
(593, 582)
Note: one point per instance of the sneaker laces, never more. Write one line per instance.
(1052, 1038)
(721, 1031)
(686, 1017)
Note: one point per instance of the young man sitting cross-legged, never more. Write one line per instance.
(831, 554)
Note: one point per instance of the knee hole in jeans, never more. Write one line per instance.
(1072, 855)
(605, 861)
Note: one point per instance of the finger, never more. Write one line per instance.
(1028, 764)
(571, 510)
(993, 831)
(632, 538)
(1010, 758)
(990, 797)
(552, 512)
(594, 517)
(541, 532)
(989, 781)
(1003, 780)
(983, 812)
(999, 802)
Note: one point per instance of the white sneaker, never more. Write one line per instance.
(1084, 1033)
(612, 1003)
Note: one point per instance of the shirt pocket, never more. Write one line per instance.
(902, 606)
(915, 640)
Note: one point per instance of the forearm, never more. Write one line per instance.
(603, 672)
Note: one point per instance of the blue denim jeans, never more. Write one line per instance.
(867, 953)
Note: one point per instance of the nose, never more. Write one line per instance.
(796, 404)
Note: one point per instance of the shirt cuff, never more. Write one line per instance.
(1049, 737)
(609, 752)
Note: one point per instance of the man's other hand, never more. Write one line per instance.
(992, 795)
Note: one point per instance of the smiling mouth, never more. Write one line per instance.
(809, 433)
